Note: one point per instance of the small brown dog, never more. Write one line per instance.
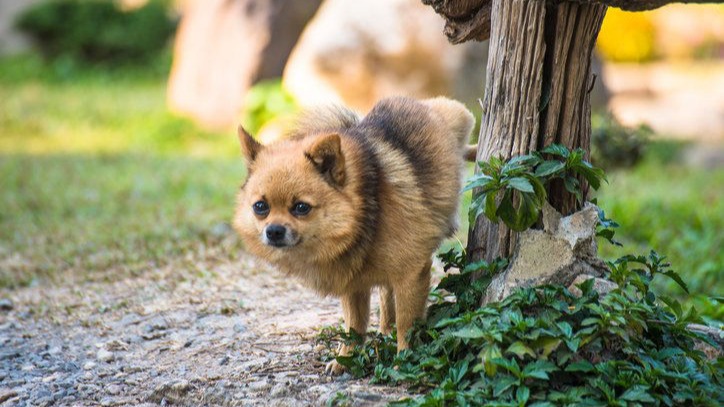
(347, 205)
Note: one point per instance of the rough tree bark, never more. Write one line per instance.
(536, 94)
(467, 20)
(538, 83)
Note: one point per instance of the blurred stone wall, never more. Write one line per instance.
(356, 53)
(12, 41)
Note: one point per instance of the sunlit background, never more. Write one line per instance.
(118, 152)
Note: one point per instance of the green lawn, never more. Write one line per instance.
(100, 181)
(677, 210)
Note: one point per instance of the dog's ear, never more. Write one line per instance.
(326, 156)
(249, 146)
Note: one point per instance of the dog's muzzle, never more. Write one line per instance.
(278, 236)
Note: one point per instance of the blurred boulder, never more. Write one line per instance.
(224, 46)
(11, 40)
(358, 52)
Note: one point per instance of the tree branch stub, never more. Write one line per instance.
(469, 20)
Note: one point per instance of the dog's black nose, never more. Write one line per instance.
(275, 233)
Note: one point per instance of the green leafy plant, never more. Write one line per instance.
(544, 346)
(616, 146)
(98, 31)
(514, 191)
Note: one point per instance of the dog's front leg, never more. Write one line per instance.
(387, 309)
(356, 309)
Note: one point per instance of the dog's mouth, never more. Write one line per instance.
(282, 245)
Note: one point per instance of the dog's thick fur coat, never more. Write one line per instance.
(383, 193)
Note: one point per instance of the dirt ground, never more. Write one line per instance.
(202, 331)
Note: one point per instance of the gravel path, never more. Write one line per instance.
(196, 333)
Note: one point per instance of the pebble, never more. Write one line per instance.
(157, 324)
(7, 394)
(105, 355)
(44, 401)
(6, 304)
(113, 389)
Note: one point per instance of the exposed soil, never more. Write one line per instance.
(199, 332)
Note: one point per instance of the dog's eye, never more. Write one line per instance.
(301, 209)
(261, 208)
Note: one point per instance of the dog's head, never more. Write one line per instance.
(294, 204)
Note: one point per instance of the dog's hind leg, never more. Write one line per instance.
(387, 309)
(410, 299)
(356, 310)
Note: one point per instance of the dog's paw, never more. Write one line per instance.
(334, 368)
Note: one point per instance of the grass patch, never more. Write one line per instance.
(677, 210)
(97, 176)
(91, 213)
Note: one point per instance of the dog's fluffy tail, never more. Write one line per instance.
(323, 119)
(456, 115)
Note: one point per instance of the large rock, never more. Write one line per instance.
(224, 46)
(563, 250)
(13, 41)
(356, 52)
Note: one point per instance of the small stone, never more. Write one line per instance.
(239, 328)
(367, 396)
(55, 350)
(51, 378)
(105, 355)
(116, 345)
(259, 385)
(7, 394)
(6, 304)
(157, 324)
(224, 361)
(44, 401)
(113, 389)
(59, 394)
(279, 391)
(171, 391)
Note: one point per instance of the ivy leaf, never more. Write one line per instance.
(478, 181)
(580, 366)
(549, 167)
(487, 355)
(521, 184)
(556, 149)
(677, 278)
(503, 384)
(469, 332)
(638, 393)
(539, 369)
(490, 207)
(520, 349)
(545, 346)
(522, 395)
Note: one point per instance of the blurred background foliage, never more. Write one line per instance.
(69, 29)
(100, 180)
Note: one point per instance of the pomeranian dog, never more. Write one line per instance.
(349, 204)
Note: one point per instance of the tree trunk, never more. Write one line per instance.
(538, 81)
